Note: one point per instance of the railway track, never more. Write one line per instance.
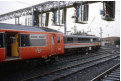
(78, 57)
(60, 64)
(112, 74)
(69, 70)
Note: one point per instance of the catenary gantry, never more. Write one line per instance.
(42, 7)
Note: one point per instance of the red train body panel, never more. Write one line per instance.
(2, 54)
(52, 45)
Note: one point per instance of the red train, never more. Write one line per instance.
(21, 42)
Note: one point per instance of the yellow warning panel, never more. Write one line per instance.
(14, 46)
(99, 43)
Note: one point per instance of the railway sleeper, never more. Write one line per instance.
(70, 70)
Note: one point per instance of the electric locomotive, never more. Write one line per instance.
(80, 43)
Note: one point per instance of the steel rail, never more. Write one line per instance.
(83, 57)
(98, 78)
(65, 68)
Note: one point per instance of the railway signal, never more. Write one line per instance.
(108, 12)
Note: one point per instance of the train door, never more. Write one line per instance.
(2, 49)
(12, 49)
(53, 44)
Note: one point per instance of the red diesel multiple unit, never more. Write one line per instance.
(20, 42)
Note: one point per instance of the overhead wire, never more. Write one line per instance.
(23, 3)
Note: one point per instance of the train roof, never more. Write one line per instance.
(26, 28)
(80, 36)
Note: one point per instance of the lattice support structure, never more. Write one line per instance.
(42, 7)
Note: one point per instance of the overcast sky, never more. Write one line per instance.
(112, 28)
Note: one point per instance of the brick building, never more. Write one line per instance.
(109, 40)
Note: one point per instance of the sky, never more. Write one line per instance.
(94, 23)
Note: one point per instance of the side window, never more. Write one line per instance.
(25, 41)
(58, 39)
(94, 39)
(69, 39)
(84, 39)
(91, 40)
(1, 40)
(52, 38)
(80, 39)
(87, 39)
(38, 40)
(33, 40)
(97, 39)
